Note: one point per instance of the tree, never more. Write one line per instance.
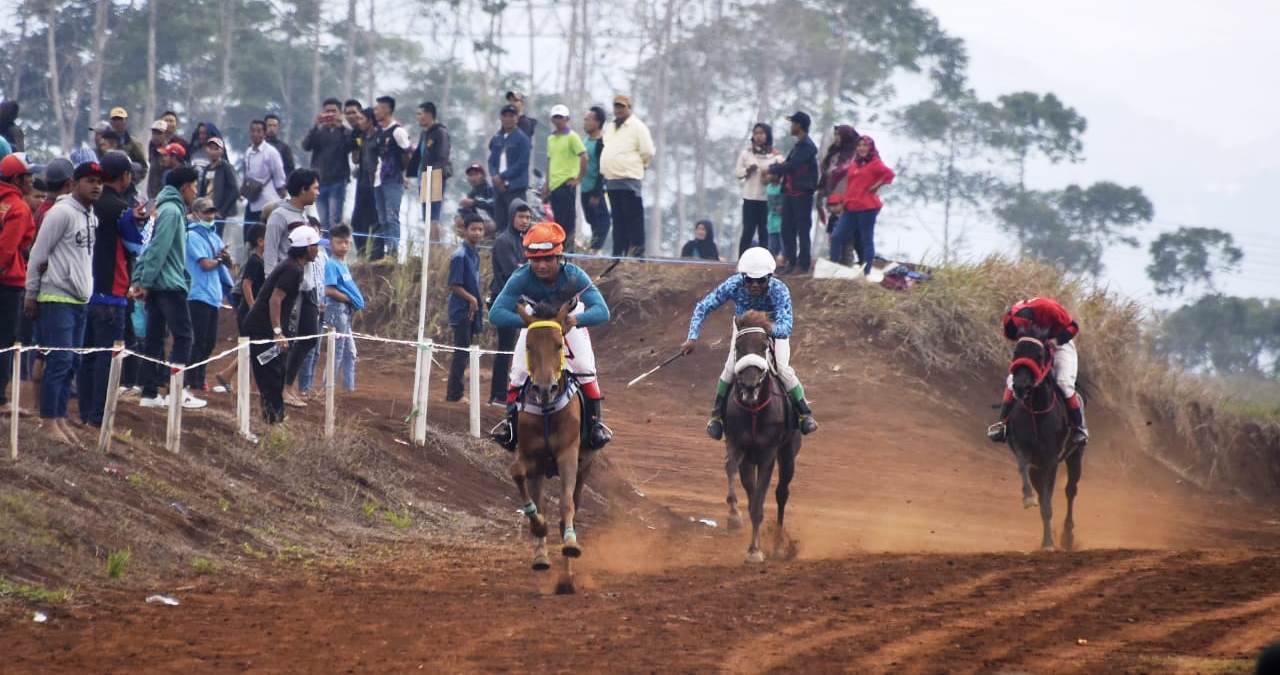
(1073, 227)
(1191, 255)
(1028, 122)
(1231, 335)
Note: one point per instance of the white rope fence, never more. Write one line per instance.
(173, 430)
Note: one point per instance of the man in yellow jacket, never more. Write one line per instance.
(628, 149)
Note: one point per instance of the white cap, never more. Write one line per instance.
(303, 235)
(159, 125)
(560, 110)
(757, 262)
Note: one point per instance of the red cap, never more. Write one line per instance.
(12, 165)
(174, 149)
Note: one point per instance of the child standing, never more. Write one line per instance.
(207, 261)
(342, 299)
(773, 198)
(465, 316)
(246, 292)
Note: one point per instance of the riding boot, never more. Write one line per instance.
(1079, 432)
(998, 432)
(599, 434)
(505, 431)
(715, 428)
(808, 424)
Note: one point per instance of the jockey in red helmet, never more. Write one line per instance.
(1045, 319)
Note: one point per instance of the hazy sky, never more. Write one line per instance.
(1179, 99)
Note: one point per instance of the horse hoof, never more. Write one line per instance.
(541, 563)
(538, 526)
(735, 521)
(1048, 548)
(756, 556)
(565, 588)
(1030, 502)
(570, 549)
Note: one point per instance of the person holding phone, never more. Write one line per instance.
(329, 143)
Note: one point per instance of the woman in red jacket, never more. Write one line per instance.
(867, 174)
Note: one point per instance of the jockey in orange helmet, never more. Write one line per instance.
(548, 278)
(1045, 319)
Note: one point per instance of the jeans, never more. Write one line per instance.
(61, 324)
(775, 243)
(844, 233)
(135, 369)
(628, 222)
(386, 200)
(337, 315)
(105, 325)
(364, 218)
(308, 324)
(755, 224)
(330, 202)
(166, 309)
(204, 328)
(502, 364)
(597, 216)
(865, 224)
(565, 209)
(462, 334)
(797, 220)
(10, 316)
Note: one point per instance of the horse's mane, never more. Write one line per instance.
(755, 319)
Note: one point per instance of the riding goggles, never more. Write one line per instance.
(762, 280)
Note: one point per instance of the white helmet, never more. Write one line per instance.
(757, 262)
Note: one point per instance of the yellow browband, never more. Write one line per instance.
(549, 324)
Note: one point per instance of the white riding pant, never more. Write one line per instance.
(781, 359)
(580, 358)
(1066, 364)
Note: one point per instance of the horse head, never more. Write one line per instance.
(751, 345)
(545, 353)
(1031, 363)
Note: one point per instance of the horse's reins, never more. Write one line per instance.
(1041, 372)
(768, 398)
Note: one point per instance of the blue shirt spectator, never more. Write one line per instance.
(464, 271)
(338, 274)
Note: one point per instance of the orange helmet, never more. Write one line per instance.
(543, 240)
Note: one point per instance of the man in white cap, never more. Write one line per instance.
(566, 164)
(155, 155)
(266, 320)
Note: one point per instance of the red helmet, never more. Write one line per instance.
(543, 240)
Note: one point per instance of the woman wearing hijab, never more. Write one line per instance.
(750, 170)
(703, 244)
(834, 172)
(199, 139)
(866, 175)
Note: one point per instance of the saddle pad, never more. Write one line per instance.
(565, 397)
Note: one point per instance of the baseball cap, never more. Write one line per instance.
(12, 166)
(508, 110)
(119, 112)
(58, 171)
(515, 94)
(216, 141)
(159, 125)
(110, 135)
(475, 167)
(115, 164)
(623, 99)
(202, 205)
(560, 110)
(174, 149)
(800, 117)
(101, 127)
(86, 170)
(303, 235)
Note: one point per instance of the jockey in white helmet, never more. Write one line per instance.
(753, 288)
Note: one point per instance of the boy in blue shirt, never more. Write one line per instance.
(342, 300)
(207, 263)
(465, 316)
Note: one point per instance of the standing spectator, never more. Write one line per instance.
(594, 207)
(799, 180)
(120, 124)
(198, 144)
(465, 315)
(528, 125)
(566, 164)
(432, 151)
(750, 170)
(118, 233)
(17, 232)
(155, 154)
(833, 172)
(218, 181)
(304, 188)
(99, 130)
(245, 293)
(265, 321)
(330, 146)
(208, 264)
(773, 198)
(57, 182)
(392, 151)
(508, 254)
(862, 205)
(364, 216)
(9, 128)
(160, 278)
(282, 146)
(59, 284)
(264, 176)
(342, 300)
(703, 245)
(628, 149)
(172, 156)
(509, 151)
(307, 352)
(480, 199)
(351, 111)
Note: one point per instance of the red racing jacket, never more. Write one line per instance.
(1043, 318)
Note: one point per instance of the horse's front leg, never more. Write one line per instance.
(732, 458)
(1024, 471)
(1045, 487)
(1075, 467)
(524, 471)
(567, 460)
(541, 562)
(759, 492)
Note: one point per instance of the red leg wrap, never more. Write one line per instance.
(512, 394)
(1008, 395)
(1074, 402)
(592, 390)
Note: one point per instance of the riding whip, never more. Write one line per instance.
(655, 369)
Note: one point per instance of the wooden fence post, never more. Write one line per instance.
(331, 380)
(173, 430)
(113, 397)
(474, 358)
(15, 388)
(423, 394)
(242, 387)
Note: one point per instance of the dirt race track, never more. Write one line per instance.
(914, 555)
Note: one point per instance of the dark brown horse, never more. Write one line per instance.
(758, 431)
(549, 442)
(1038, 430)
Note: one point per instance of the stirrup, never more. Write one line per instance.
(600, 435)
(1079, 436)
(504, 434)
(808, 424)
(715, 428)
(998, 432)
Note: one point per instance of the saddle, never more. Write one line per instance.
(572, 394)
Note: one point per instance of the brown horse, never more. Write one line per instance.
(758, 431)
(549, 441)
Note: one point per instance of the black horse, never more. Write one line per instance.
(1038, 432)
(759, 431)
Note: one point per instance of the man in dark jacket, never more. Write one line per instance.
(508, 254)
(480, 198)
(799, 181)
(330, 146)
(509, 165)
(120, 124)
(218, 181)
(282, 146)
(432, 151)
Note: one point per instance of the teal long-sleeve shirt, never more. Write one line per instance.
(570, 281)
(163, 263)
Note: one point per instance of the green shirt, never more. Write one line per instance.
(591, 179)
(563, 151)
(773, 197)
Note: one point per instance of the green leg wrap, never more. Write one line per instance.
(722, 387)
(797, 393)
